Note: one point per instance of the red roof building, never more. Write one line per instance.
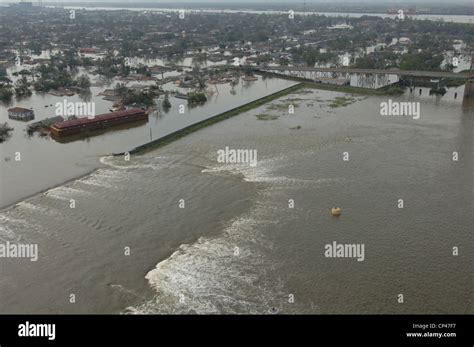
(102, 121)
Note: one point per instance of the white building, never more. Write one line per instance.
(20, 113)
(404, 40)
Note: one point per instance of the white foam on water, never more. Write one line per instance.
(8, 224)
(116, 162)
(104, 178)
(207, 277)
(259, 173)
(123, 290)
(5, 232)
(28, 206)
(264, 172)
(64, 193)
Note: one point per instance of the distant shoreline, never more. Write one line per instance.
(355, 8)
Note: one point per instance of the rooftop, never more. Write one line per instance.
(19, 110)
(98, 118)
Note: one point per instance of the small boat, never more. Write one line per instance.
(181, 96)
(335, 211)
(250, 78)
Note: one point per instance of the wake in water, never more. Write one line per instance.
(145, 162)
(235, 273)
(217, 275)
(12, 226)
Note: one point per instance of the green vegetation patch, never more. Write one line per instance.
(281, 107)
(393, 90)
(452, 82)
(266, 117)
(196, 98)
(304, 92)
(342, 101)
(5, 130)
(390, 90)
(293, 100)
(285, 104)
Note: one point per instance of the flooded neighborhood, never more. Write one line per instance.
(221, 158)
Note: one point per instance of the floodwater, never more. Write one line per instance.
(176, 231)
(46, 163)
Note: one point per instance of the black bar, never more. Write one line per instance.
(155, 330)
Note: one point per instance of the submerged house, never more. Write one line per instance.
(99, 122)
(20, 113)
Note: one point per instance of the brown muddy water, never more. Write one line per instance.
(236, 246)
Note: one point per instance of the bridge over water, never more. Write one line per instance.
(345, 70)
(365, 77)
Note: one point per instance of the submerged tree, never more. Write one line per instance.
(5, 93)
(22, 87)
(166, 102)
(83, 82)
(5, 130)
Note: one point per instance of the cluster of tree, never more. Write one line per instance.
(5, 86)
(377, 60)
(5, 94)
(129, 96)
(263, 58)
(83, 81)
(310, 56)
(134, 97)
(421, 61)
(5, 130)
(196, 98)
(143, 70)
(56, 73)
(52, 77)
(120, 90)
(111, 66)
(166, 102)
(179, 47)
(22, 87)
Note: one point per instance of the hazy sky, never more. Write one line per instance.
(391, 2)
